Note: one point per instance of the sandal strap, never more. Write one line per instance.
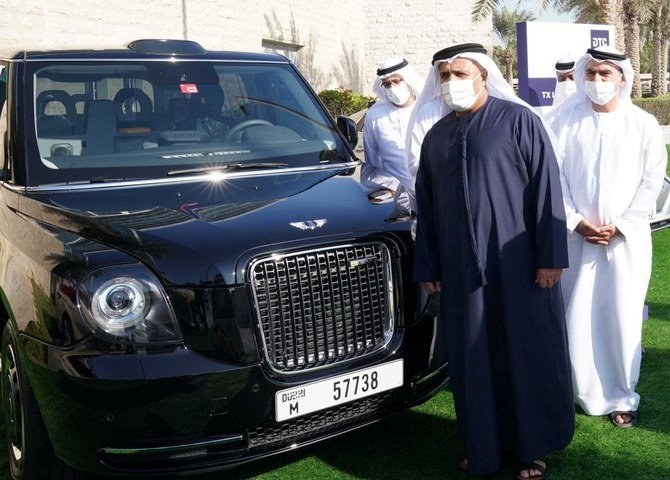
(530, 466)
(632, 414)
(535, 465)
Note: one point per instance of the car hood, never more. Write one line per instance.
(195, 234)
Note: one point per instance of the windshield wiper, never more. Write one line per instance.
(228, 167)
(106, 180)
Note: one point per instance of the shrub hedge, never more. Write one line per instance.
(343, 101)
(657, 106)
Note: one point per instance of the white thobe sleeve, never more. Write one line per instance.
(654, 158)
(572, 217)
(427, 115)
(372, 174)
(414, 139)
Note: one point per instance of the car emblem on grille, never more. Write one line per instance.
(309, 224)
(362, 261)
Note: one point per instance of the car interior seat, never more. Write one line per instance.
(53, 107)
(182, 114)
(133, 109)
(100, 127)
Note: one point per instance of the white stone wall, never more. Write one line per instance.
(342, 41)
(416, 29)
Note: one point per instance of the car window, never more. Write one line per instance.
(152, 118)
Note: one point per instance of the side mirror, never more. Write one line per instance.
(348, 128)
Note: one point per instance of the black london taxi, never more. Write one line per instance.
(191, 277)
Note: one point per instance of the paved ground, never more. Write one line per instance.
(666, 133)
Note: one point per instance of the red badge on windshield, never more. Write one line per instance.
(188, 88)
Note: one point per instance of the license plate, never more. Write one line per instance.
(297, 401)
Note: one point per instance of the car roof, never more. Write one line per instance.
(177, 49)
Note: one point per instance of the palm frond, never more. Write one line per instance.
(483, 9)
(504, 24)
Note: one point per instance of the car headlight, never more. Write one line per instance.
(127, 304)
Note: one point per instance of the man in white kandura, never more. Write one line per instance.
(612, 171)
(385, 168)
(565, 85)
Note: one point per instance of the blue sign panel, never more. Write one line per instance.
(541, 91)
(600, 38)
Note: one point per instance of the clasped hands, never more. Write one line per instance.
(597, 235)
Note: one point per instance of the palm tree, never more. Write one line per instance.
(483, 8)
(586, 11)
(660, 36)
(504, 26)
(609, 12)
(613, 15)
(626, 15)
(583, 12)
(636, 12)
(632, 18)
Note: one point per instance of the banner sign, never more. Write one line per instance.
(541, 44)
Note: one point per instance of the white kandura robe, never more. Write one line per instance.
(384, 135)
(612, 172)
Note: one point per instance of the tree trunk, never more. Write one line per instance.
(665, 19)
(657, 73)
(632, 35)
(613, 15)
(509, 69)
(664, 65)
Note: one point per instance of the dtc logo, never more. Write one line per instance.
(600, 38)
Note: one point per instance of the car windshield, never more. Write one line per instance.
(102, 121)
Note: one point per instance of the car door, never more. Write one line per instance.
(660, 219)
(359, 118)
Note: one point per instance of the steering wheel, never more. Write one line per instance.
(242, 125)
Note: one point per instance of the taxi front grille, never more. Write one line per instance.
(319, 307)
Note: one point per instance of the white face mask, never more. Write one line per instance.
(602, 92)
(398, 94)
(460, 95)
(564, 90)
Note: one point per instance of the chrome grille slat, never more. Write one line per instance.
(319, 307)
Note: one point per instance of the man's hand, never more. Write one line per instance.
(547, 277)
(597, 235)
(382, 195)
(431, 287)
(611, 230)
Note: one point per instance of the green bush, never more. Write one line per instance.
(657, 106)
(343, 101)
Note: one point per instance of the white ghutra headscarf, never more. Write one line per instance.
(562, 115)
(397, 66)
(565, 64)
(600, 55)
